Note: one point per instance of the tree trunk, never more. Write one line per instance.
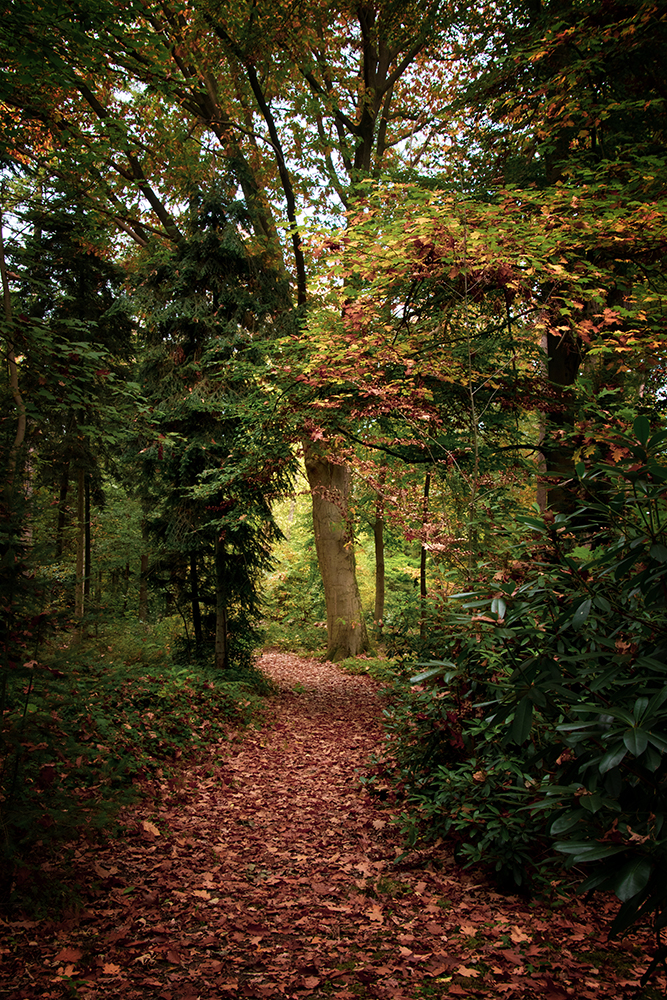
(330, 485)
(80, 544)
(194, 597)
(422, 561)
(221, 644)
(378, 538)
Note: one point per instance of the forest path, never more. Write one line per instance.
(268, 871)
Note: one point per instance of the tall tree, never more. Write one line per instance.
(305, 103)
(217, 455)
(570, 97)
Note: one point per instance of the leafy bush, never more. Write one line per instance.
(556, 688)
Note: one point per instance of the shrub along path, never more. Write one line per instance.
(266, 870)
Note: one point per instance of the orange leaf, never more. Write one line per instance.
(69, 955)
(464, 971)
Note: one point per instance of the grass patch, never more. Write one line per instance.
(380, 669)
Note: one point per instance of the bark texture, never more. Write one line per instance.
(330, 486)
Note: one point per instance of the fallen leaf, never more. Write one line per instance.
(468, 929)
(69, 955)
(150, 827)
(464, 971)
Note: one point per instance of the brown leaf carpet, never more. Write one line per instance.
(267, 870)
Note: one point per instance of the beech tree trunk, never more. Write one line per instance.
(330, 485)
(423, 592)
(378, 539)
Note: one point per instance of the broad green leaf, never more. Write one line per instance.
(436, 671)
(642, 429)
(632, 879)
(566, 822)
(588, 850)
(591, 803)
(532, 522)
(636, 740)
(523, 720)
(498, 607)
(613, 758)
(581, 614)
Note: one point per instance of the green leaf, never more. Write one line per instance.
(636, 740)
(566, 822)
(613, 758)
(523, 720)
(642, 429)
(659, 552)
(587, 850)
(632, 879)
(498, 607)
(532, 522)
(436, 671)
(652, 759)
(591, 803)
(581, 614)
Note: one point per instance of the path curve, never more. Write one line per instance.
(268, 871)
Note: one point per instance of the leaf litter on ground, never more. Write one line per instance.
(266, 869)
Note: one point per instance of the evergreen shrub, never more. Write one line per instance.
(542, 728)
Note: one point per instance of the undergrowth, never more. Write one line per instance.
(83, 723)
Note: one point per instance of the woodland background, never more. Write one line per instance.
(340, 327)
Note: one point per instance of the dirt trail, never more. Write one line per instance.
(268, 871)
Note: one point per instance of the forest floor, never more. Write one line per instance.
(267, 870)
